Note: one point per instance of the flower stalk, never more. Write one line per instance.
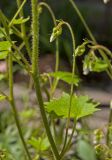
(12, 103)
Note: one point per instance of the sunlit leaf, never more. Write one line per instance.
(81, 106)
(3, 54)
(66, 77)
(5, 46)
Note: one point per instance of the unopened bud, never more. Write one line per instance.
(57, 31)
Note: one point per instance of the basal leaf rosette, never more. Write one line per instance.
(81, 106)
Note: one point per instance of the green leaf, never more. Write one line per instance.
(100, 66)
(66, 77)
(3, 54)
(20, 20)
(2, 97)
(5, 46)
(40, 144)
(92, 63)
(81, 106)
(85, 151)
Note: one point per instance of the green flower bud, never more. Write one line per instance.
(81, 49)
(57, 31)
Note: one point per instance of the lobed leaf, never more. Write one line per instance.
(66, 77)
(81, 106)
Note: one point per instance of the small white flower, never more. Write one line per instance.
(105, 1)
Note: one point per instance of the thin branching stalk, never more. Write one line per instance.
(106, 50)
(69, 141)
(23, 29)
(72, 85)
(55, 82)
(36, 76)
(12, 103)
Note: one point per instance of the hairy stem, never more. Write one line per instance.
(12, 103)
(36, 76)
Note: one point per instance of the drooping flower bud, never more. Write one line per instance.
(57, 31)
(81, 49)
